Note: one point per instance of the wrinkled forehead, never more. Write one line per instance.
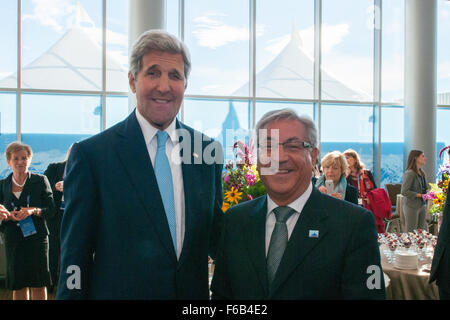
(331, 163)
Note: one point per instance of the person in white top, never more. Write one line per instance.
(295, 242)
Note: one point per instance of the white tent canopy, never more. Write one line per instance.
(74, 62)
(291, 75)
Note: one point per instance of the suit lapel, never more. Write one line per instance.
(132, 151)
(312, 218)
(190, 187)
(256, 240)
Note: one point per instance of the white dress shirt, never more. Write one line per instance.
(297, 205)
(151, 142)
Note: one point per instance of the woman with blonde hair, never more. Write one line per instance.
(358, 176)
(26, 201)
(334, 168)
(414, 188)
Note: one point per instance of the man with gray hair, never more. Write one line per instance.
(295, 242)
(142, 208)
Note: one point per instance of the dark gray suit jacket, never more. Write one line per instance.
(332, 266)
(115, 229)
(411, 186)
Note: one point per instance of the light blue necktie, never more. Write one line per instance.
(165, 184)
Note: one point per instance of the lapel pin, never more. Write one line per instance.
(195, 155)
(313, 233)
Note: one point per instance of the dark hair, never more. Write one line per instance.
(412, 164)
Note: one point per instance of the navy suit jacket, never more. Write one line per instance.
(333, 265)
(54, 173)
(114, 228)
(440, 268)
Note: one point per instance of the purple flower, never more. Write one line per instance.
(251, 179)
(226, 179)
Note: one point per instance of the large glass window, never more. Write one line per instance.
(173, 17)
(117, 110)
(8, 34)
(51, 123)
(393, 50)
(392, 138)
(217, 35)
(223, 120)
(442, 133)
(117, 45)
(7, 128)
(348, 127)
(347, 50)
(262, 107)
(61, 44)
(284, 49)
(443, 55)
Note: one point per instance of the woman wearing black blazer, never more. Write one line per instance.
(26, 201)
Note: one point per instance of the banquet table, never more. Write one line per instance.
(407, 284)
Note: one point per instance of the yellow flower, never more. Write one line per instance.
(233, 196)
(225, 206)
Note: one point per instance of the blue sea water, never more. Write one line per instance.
(49, 148)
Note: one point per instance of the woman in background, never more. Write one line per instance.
(414, 188)
(359, 177)
(25, 202)
(334, 168)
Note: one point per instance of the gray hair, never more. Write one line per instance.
(289, 114)
(157, 40)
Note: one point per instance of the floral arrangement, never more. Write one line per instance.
(241, 180)
(439, 190)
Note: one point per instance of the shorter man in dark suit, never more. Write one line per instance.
(296, 243)
(440, 269)
(55, 173)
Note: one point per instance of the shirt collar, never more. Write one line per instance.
(150, 131)
(297, 204)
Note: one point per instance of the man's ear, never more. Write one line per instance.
(132, 83)
(314, 155)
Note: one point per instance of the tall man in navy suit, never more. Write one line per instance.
(296, 242)
(143, 198)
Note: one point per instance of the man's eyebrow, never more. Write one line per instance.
(292, 139)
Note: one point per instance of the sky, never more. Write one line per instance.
(217, 34)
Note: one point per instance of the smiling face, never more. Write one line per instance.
(333, 172)
(159, 87)
(19, 162)
(294, 166)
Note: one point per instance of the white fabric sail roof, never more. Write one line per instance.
(291, 75)
(74, 62)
